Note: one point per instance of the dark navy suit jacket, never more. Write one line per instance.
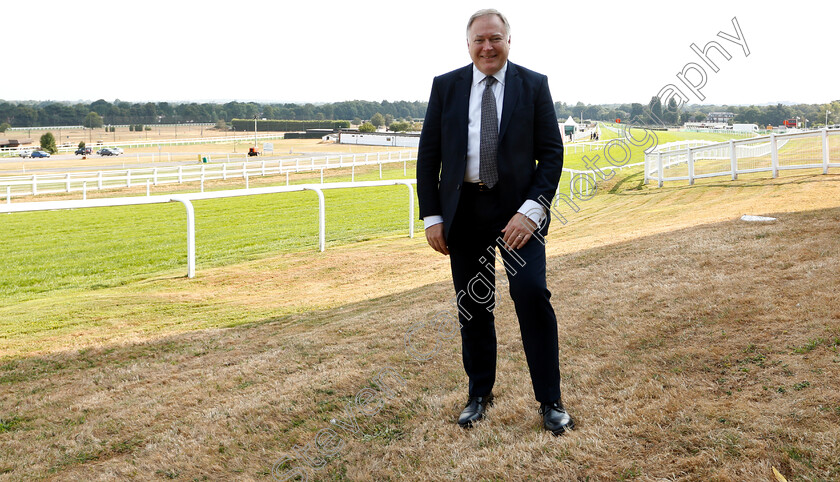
(530, 152)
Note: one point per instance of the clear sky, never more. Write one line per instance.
(327, 51)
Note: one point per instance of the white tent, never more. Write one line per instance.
(570, 122)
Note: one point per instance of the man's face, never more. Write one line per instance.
(488, 44)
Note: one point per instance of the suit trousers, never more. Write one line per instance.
(474, 236)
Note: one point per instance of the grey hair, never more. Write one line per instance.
(488, 11)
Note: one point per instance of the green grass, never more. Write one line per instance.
(574, 160)
(103, 247)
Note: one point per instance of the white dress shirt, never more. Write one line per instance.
(530, 207)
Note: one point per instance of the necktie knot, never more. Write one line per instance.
(489, 81)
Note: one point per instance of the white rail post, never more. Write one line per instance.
(155, 176)
(322, 175)
(571, 186)
(410, 208)
(228, 158)
(287, 178)
(380, 168)
(733, 159)
(405, 171)
(262, 165)
(67, 179)
(84, 190)
(244, 170)
(99, 181)
(9, 194)
(353, 173)
(128, 178)
(690, 167)
(774, 155)
(34, 185)
(190, 235)
(180, 174)
(148, 188)
(202, 181)
(247, 180)
(825, 149)
(659, 175)
(224, 171)
(648, 160)
(321, 218)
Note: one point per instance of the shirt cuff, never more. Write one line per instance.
(534, 211)
(431, 221)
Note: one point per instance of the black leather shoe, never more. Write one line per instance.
(555, 418)
(474, 411)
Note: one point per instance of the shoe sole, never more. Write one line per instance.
(560, 431)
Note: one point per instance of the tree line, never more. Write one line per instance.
(671, 114)
(49, 113)
(38, 114)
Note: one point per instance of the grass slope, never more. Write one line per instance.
(694, 346)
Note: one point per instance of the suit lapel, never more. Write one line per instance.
(513, 86)
(462, 103)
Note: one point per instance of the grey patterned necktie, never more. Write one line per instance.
(488, 170)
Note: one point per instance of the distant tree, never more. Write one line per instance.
(672, 113)
(357, 121)
(388, 120)
(655, 105)
(82, 145)
(4, 126)
(377, 120)
(93, 120)
(399, 126)
(221, 125)
(48, 143)
(636, 111)
(367, 127)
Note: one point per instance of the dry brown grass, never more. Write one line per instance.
(694, 347)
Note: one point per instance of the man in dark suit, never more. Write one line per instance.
(488, 166)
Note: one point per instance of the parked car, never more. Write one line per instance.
(106, 152)
(25, 154)
(40, 154)
(116, 150)
(83, 151)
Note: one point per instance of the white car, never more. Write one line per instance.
(116, 150)
(25, 154)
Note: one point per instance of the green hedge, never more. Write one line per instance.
(303, 135)
(287, 125)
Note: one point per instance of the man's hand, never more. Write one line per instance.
(518, 231)
(436, 239)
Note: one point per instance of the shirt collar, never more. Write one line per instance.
(478, 76)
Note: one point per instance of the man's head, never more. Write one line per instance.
(488, 40)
